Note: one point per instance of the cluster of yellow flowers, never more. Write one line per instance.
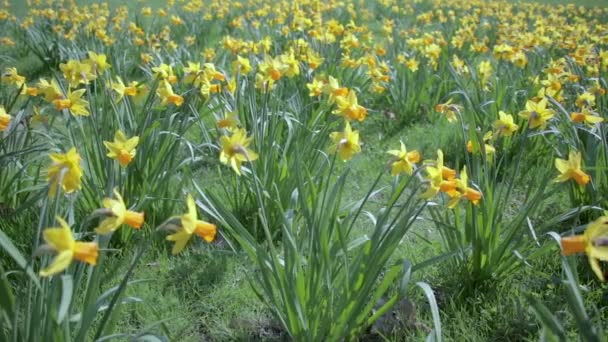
(290, 45)
(60, 240)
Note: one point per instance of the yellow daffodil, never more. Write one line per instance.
(61, 241)
(272, 69)
(235, 151)
(165, 72)
(65, 171)
(333, 89)
(190, 224)
(571, 169)
(241, 65)
(594, 243)
(11, 76)
(346, 143)
(489, 149)
(166, 94)
(439, 178)
(349, 108)
(5, 119)
(315, 88)
(586, 116)
(50, 90)
(537, 113)
(585, 99)
(405, 160)
(97, 62)
(505, 126)
(463, 191)
(122, 148)
(118, 215)
(230, 122)
(77, 73)
(449, 109)
(74, 103)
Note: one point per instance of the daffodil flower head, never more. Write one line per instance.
(594, 243)
(5, 119)
(505, 126)
(349, 108)
(537, 113)
(61, 241)
(118, 215)
(345, 143)
(586, 116)
(571, 169)
(122, 148)
(405, 161)
(73, 102)
(235, 151)
(65, 171)
(190, 225)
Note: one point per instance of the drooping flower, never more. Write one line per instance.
(61, 241)
(122, 148)
(190, 224)
(586, 116)
(65, 171)
(405, 160)
(346, 143)
(235, 151)
(118, 215)
(571, 169)
(594, 242)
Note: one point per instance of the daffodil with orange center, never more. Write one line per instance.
(571, 169)
(594, 243)
(463, 191)
(439, 178)
(122, 148)
(405, 161)
(74, 103)
(333, 89)
(349, 108)
(449, 109)
(586, 116)
(5, 119)
(166, 94)
(118, 215)
(190, 225)
(61, 241)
